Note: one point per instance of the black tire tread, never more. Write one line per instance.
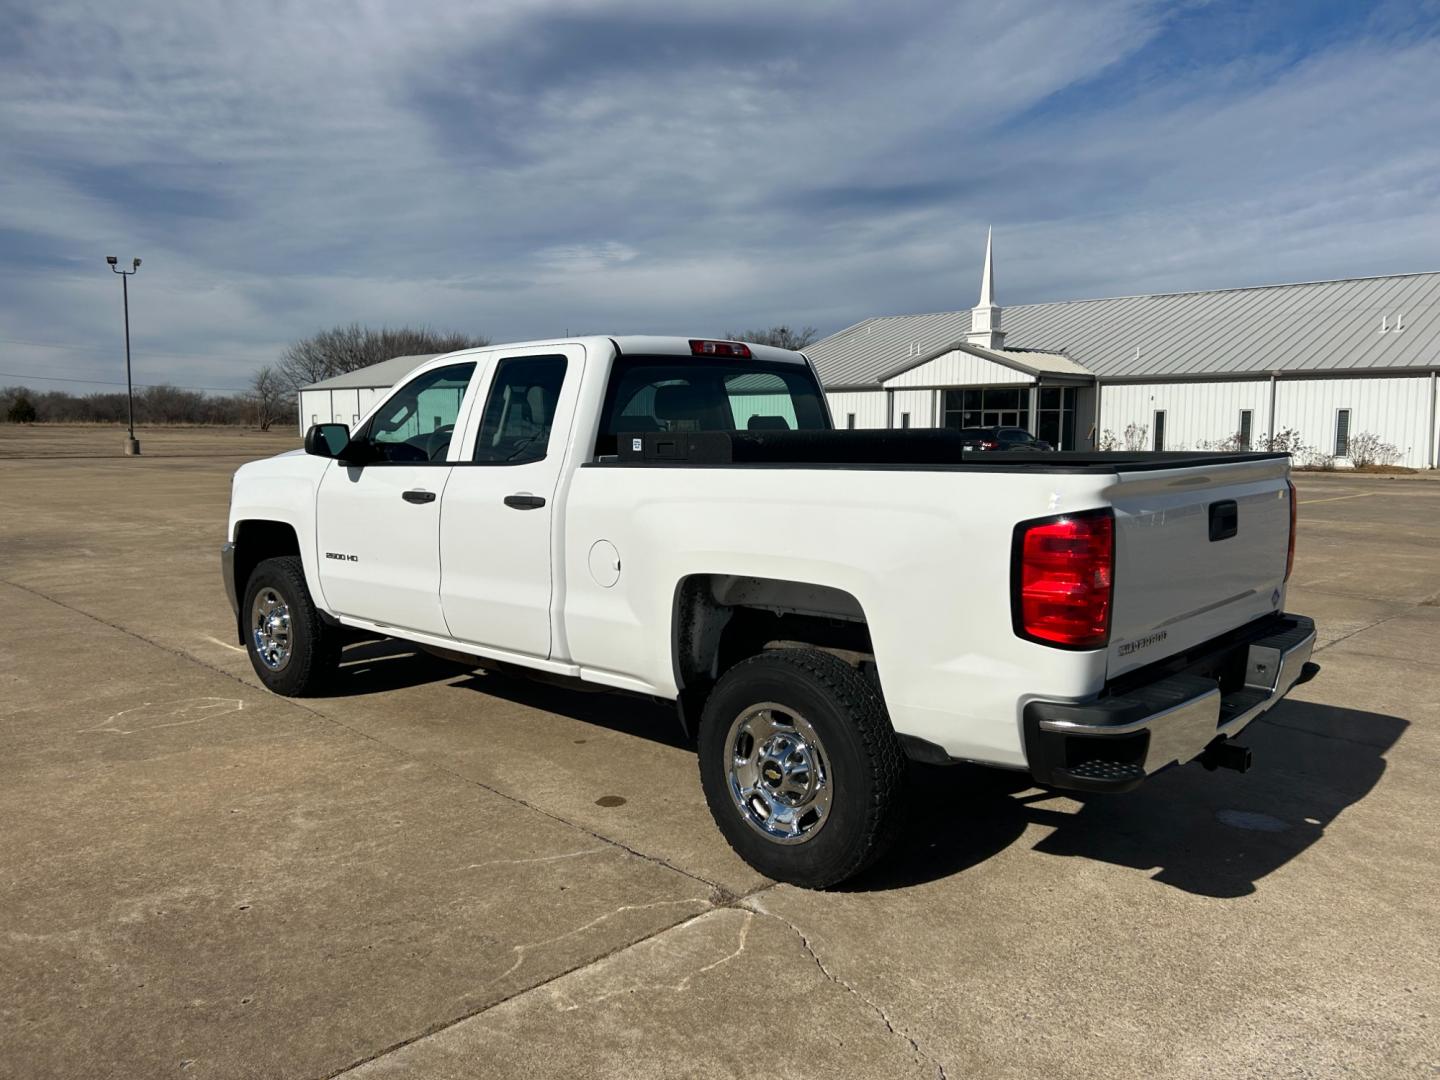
(315, 647)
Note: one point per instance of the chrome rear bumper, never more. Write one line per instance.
(1114, 742)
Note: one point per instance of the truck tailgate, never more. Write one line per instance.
(1198, 551)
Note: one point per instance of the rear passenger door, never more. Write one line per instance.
(498, 511)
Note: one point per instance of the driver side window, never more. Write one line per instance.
(417, 422)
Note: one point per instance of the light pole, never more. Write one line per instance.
(132, 444)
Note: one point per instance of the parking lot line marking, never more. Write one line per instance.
(1337, 498)
(224, 644)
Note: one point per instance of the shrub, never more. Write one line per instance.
(21, 411)
(1368, 449)
(1234, 444)
(1288, 441)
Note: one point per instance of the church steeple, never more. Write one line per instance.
(985, 316)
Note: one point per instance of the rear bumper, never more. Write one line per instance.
(1116, 740)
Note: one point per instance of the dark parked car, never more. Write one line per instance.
(1002, 438)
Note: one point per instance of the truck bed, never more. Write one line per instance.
(904, 449)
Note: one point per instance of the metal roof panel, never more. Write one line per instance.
(1319, 326)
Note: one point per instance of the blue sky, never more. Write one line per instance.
(521, 169)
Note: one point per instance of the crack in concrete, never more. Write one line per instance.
(922, 1056)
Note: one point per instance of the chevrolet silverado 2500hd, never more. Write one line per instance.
(677, 518)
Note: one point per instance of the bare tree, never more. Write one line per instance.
(153, 405)
(269, 398)
(345, 348)
(782, 337)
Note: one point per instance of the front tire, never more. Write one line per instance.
(292, 651)
(800, 766)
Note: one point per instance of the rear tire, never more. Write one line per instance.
(800, 766)
(291, 649)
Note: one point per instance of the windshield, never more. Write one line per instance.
(681, 393)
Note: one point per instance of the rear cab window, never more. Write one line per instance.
(520, 410)
(683, 393)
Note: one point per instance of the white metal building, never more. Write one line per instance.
(343, 399)
(1329, 360)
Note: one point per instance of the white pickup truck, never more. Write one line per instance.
(677, 518)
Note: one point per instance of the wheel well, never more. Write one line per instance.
(720, 619)
(256, 541)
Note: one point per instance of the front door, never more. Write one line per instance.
(496, 541)
(378, 525)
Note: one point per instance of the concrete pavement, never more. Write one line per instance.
(436, 873)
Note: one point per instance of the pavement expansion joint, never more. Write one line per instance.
(1361, 630)
(722, 894)
(522, 950)
(450, 1022)
(717, 901)
(684, 983)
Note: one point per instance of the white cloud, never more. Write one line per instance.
(522, 168)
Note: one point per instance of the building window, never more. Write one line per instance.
(1342, 433)
(1246, 419)
(1055, 416)
(989, 406)
(850, 421)
(904, 419)
(1159, 430)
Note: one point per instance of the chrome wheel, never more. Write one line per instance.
(777, 773)
(270, 628)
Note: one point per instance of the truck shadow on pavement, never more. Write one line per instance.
(629, 714)
(1218, 834)
(374, 665)
(1212, 834)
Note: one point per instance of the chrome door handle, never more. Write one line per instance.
(418, 495)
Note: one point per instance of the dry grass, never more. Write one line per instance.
(108, 440)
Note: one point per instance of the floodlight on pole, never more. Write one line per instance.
(132, 444)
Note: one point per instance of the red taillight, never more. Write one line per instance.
(737, 349)
(1290, 553)
(986, 444)
(1064, 580)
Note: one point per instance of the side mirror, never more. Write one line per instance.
(327, 440)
